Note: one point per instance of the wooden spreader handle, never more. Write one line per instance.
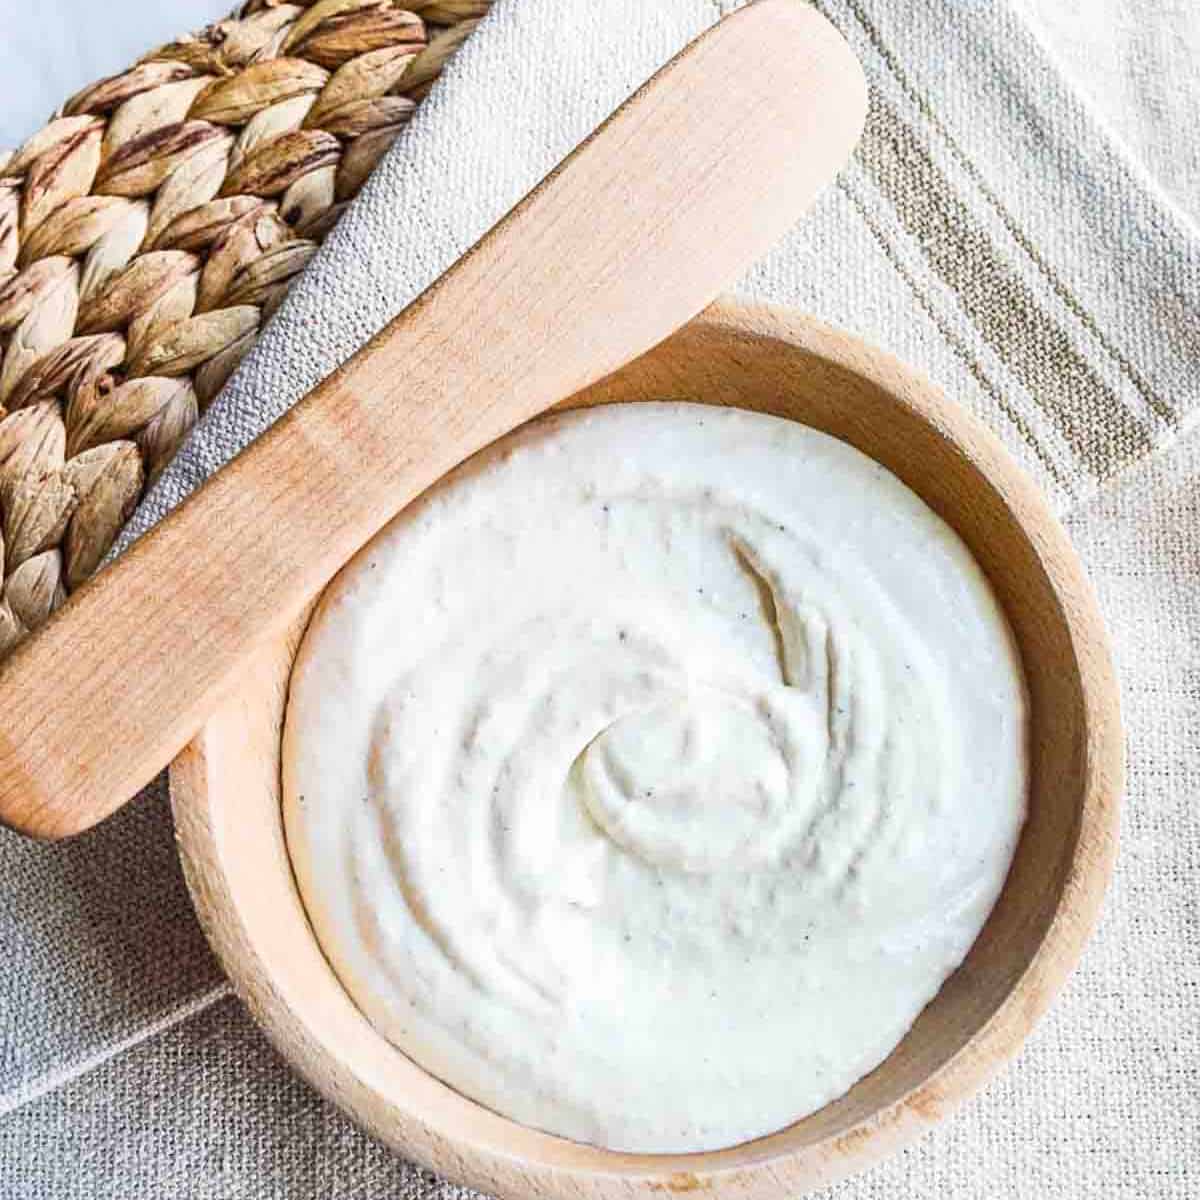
(672, 199)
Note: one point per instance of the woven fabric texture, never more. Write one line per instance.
(987, 231)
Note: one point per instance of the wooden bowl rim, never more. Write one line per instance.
(756, 1168)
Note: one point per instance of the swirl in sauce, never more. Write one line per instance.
(646, 778)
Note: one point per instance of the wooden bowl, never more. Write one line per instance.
(227, 810)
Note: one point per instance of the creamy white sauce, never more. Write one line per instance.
(646, 779)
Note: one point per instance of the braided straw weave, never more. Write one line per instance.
(148, 231)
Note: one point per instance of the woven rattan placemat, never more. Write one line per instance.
(149, 230)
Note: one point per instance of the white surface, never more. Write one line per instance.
(49, 49)
(719, 731)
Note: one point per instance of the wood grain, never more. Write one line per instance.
(682, 189)
(225, 790)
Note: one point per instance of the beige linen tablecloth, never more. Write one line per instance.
(989, 231)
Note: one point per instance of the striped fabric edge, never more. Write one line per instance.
(1076, 401)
